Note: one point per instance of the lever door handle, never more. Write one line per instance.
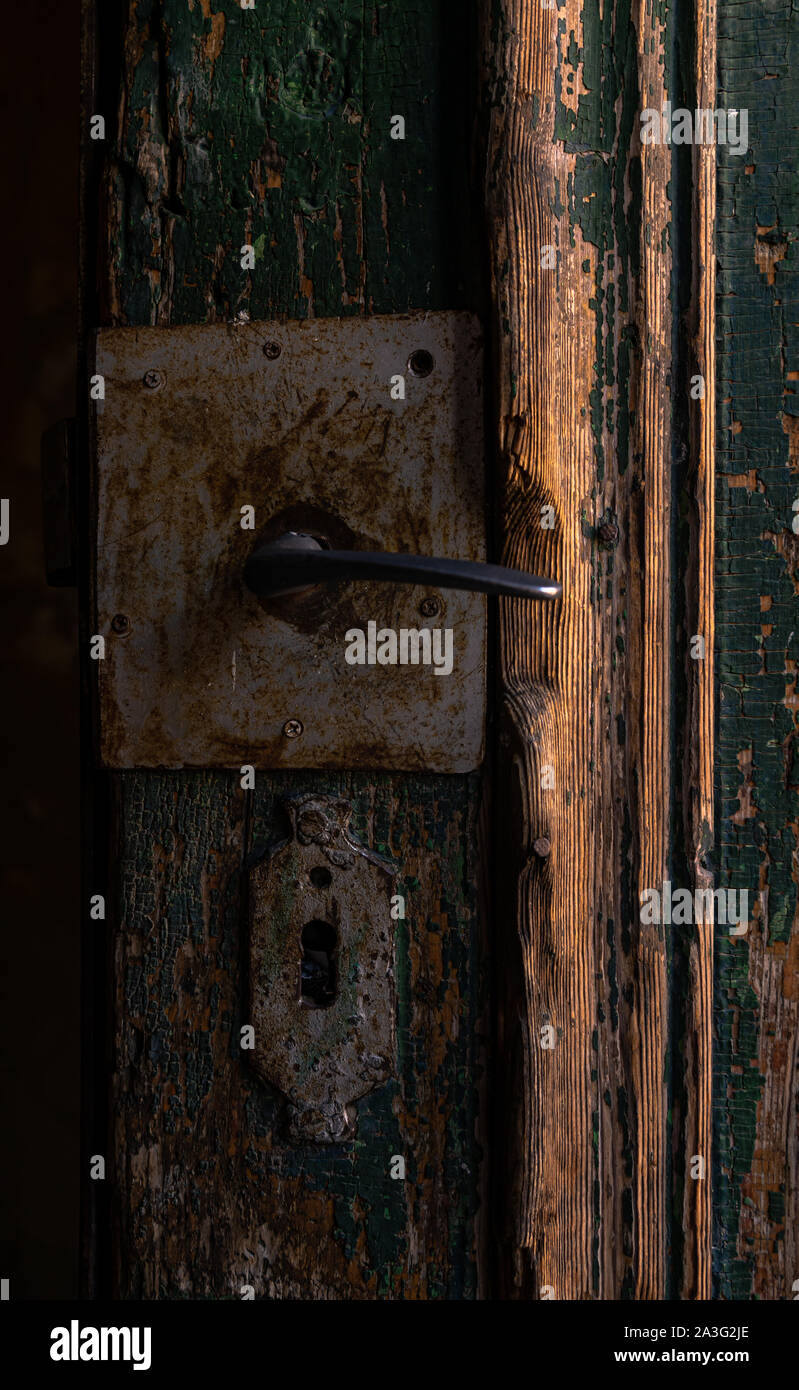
(296, 561)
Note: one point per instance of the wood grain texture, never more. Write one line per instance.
(699, 726)
(583, 425)
(271, 127)
(756, 1229)
(209, 1193)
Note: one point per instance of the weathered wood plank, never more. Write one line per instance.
(695, 1276)
(756, 1231)
(271, 127)
(583, 423)
(209, 1193)
(247, 126)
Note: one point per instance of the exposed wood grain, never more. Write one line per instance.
(271, 127)
(756, 1230)
(699, 731)
(583, 425)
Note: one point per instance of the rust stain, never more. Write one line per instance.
(322, 1056)
(339, 450)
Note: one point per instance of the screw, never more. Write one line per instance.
(608, 532)
(272, 350)
(120, 624)
(542, 847)
(429, 607)
(153, 380)
(292, 728)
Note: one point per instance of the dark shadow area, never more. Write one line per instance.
(39, 754)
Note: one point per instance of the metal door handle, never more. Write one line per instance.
(296, 561)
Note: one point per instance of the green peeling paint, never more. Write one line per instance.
(278, 126)
(757, 346)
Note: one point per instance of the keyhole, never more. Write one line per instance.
(318, 968)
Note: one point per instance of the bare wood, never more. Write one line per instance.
(699, 759)
(585, 686)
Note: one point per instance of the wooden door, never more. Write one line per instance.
(271, 127)
(553, 1103)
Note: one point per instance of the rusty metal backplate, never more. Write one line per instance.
(297, 421)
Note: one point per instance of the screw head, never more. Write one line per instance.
(272, 350)
(542, 847)
(120, 624)
(153, 380)
(430, 607)
(608, 532)
(292, 728)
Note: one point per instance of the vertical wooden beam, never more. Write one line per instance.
(581, 265)
(699, 751)
(756, 1018)
(651, 744)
